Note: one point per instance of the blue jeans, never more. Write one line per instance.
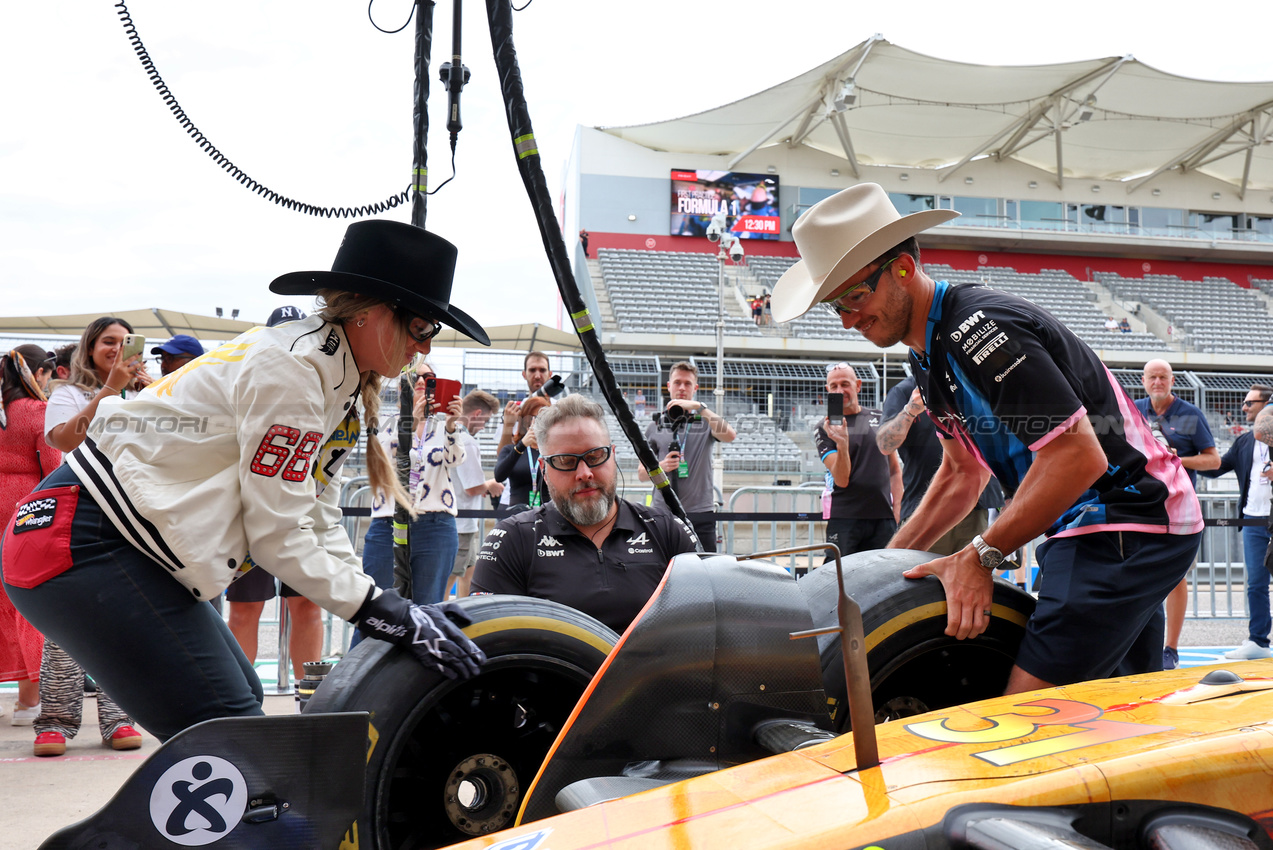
(434, 544)
(167, 658)
(1255, 542)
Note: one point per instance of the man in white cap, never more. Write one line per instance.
(1014, 392)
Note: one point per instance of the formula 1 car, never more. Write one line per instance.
(707, 724)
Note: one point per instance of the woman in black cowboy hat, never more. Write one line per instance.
(229, 462)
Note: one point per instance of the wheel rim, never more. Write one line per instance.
(940, 673)
(482, 794)
(465, 756)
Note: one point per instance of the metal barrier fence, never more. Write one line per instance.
(1216, 585)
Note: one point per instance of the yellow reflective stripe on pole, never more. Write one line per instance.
(419, 179)
(525, 146)
(400, 533)
(583, 323)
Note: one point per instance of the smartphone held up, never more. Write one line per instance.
(835, 408)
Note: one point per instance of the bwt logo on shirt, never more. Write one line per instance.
(970, 321)
(965, 325)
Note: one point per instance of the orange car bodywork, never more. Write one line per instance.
(1160, 736)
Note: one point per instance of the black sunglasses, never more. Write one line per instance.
(570, 462)
(418, 327)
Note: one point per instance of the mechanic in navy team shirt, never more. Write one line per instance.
(586, 548)
(1013, 392)
(1188, 435)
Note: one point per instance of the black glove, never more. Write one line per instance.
(431, 632)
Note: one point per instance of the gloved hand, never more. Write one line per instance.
(431, 632)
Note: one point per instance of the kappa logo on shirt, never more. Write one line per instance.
(639, 540)
(548, 540)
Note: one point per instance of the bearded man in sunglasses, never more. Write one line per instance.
(1013, 392)
(587, 549)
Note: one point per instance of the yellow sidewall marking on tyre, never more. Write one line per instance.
(909, 618)
(543, 624)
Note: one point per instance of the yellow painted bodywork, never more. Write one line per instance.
(1134, 738)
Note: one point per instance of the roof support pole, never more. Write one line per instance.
(1060, 159)
(842, 130)
(827, 92)
(809, 104)
(162, 321)
(1017, 130)
(1246, 173)
(1197, 152)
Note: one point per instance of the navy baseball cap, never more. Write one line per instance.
(179, 344)
(284, 314)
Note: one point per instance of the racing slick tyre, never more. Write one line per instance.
(447, 760)
(914, 666)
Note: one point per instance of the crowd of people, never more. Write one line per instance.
(107, 517)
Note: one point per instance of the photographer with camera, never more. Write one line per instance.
(540, 383)
(683, 436)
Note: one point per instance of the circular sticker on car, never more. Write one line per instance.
(198, 800)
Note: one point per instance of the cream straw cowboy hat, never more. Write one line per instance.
(837, 237)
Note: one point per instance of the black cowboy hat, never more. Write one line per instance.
(396, 263)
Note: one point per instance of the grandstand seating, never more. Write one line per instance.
(1215, 314)
(642, 284)
(1062, 295)
(674, 292)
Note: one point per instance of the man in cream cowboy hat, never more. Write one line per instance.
(1013, 392)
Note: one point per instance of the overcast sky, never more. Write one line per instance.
(106, 205)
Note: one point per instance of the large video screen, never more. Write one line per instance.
(750, 202)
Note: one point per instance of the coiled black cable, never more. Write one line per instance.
(223, 161)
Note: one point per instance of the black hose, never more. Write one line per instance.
(420, 150)
(170, 100)
(499, 12)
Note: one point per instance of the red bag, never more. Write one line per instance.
(37, 544)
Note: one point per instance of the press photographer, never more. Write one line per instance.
(682, 435)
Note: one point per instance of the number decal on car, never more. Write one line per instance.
(1014, 726)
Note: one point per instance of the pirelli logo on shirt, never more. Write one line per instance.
(979, 337)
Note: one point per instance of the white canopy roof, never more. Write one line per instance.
(1104, 119)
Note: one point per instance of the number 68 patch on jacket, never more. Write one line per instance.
(37, 544)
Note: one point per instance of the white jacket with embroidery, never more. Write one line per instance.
(238, 451)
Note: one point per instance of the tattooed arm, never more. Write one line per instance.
(1263, 426)
(891, 434)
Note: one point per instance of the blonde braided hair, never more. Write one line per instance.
(337, 306)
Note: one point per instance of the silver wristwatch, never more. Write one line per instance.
(991, 558)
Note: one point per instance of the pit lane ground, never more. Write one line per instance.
(41, 795)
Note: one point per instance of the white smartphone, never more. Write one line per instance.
(133, 344)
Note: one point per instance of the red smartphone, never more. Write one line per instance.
(444, 390)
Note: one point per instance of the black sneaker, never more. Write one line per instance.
(1170, 658)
